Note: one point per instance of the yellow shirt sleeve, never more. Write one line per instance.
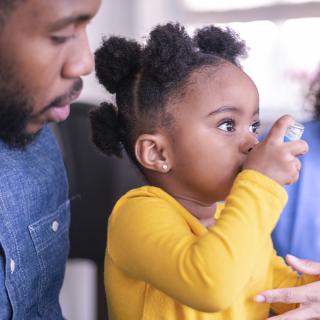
(153, 239)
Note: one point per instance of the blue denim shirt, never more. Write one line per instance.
(34, 230)
(298, 230)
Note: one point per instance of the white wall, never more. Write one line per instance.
(79, 291)
(114, 17)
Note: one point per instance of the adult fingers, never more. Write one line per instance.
(303, 266)
(284, 295)
(301, 313)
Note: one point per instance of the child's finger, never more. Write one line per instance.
(298, 147)
(279, 128)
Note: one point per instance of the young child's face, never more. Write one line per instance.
(215, 128)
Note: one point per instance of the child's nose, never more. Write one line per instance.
(249, 141)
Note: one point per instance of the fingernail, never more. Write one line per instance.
(292, 258)
(259, 298)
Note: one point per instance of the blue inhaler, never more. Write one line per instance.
(294, 132)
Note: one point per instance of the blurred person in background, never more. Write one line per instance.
(298, 230)
(43, 53)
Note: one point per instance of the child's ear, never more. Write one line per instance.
(151, 151)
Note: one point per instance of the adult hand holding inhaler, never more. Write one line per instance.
(277, 155)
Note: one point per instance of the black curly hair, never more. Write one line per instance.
(145, 79)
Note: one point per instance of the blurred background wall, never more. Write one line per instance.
(281, 35)
(284, 55)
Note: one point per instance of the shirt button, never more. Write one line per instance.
(12, 265)
(55, 226)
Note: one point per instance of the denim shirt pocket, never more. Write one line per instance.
(50, 236)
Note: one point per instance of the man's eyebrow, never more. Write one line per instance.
(65, 22)
(257, 111)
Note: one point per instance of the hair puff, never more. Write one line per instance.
(223, 43)
(168, 52)
(106, 130)
(117, 59)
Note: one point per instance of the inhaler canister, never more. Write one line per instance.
(294, 132)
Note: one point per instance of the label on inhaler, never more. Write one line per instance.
(294, 132)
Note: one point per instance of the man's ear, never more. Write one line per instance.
(151, 151)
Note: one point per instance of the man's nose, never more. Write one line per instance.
(80, 60)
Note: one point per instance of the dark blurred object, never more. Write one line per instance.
(96, 182)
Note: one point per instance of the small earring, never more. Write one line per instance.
(165, 167)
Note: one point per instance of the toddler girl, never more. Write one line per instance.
(187, 116)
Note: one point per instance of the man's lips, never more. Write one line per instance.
(67, 101)
(61, 112)
(58, 114)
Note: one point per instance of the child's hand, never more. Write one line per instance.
(275, 158)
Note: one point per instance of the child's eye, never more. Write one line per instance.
(227, 125)
(254, 128)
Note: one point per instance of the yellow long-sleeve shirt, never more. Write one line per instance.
(161, 263)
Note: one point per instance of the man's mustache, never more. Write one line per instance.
(65, 99)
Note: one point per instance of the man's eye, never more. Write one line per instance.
(60, 39)
(227, 125)
(254, 128)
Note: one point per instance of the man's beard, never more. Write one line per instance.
(15, 111)
(16, 107)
